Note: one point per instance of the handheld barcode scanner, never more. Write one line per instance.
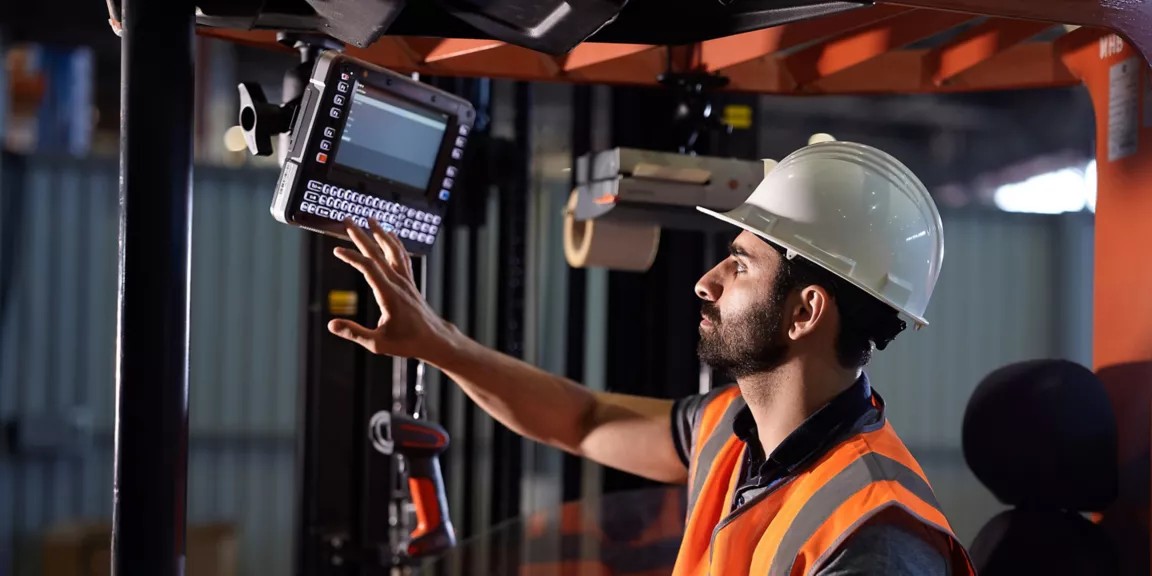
(419, 443)
(364, 143)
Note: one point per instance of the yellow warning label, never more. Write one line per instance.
(342, 303)
(738, 116)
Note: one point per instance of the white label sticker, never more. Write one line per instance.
(1123, 108)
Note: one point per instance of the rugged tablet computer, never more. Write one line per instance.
(368, 143)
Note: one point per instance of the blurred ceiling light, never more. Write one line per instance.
(1056, 192)
(234, 139)
(1090, 183)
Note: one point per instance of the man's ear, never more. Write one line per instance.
(811, 308)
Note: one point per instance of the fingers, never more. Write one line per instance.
(363, 242)
(383, 247)
(393, 250)
(353, 332)
(377, 280)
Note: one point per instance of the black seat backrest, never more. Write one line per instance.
(1041, 436)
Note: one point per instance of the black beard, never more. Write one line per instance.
(752, 343)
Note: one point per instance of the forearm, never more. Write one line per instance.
(529, 401)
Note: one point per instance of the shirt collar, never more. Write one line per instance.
(819, 430)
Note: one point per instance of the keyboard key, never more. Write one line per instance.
(436, 220)
(432, 229)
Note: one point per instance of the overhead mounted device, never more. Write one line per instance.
(625, 196)
(553, 27)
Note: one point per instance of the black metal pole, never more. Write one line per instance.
(157, 84)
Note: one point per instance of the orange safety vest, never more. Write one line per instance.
(793, 528)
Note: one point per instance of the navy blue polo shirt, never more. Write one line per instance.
(833, 422)
(890, 543)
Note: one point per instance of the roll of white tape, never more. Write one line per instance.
(611, 245)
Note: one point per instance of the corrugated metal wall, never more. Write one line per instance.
(996, 303)
(58, 341)
(1012, 288)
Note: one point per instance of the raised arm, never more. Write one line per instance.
(629, 433)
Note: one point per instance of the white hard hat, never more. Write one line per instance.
(856, 211)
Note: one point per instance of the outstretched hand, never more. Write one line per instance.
(408, 327)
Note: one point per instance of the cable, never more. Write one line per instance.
(11, 227)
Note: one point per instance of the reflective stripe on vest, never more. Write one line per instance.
(795, 526)
(845, 489)
(718, 414)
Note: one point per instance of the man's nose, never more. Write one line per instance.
(707, 288)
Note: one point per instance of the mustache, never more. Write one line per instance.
(710, 311)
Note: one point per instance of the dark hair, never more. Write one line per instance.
(864, 320)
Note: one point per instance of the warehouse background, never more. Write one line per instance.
(1016, 285)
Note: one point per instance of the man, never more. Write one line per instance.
(792, 470)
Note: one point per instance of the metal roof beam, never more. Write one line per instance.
(980, 44)
(856, 47)
(721, 53)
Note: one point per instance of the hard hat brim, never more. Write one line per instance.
(725, 217)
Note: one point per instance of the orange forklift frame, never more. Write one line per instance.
(997, 45)
(994, 45)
